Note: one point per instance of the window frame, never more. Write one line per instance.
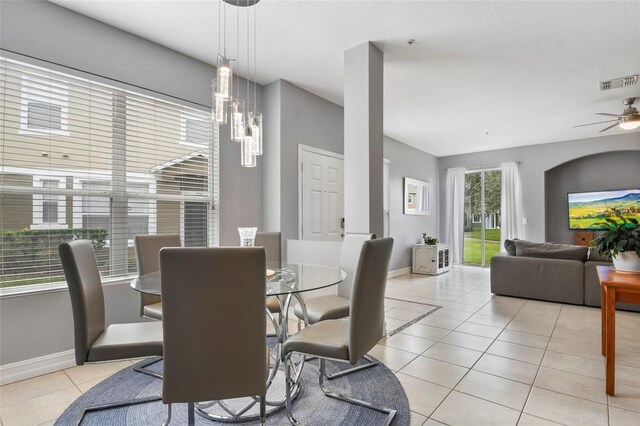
(38, 196)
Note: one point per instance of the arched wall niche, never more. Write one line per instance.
(597, 172)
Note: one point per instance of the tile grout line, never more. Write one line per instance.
(469, 369)
(540, 366)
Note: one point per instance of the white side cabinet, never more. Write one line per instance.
(430, 260)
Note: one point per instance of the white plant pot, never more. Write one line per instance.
(627, 261)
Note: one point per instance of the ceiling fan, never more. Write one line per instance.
(628, 120)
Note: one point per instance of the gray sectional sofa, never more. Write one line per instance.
(552, 272)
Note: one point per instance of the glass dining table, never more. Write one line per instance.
(287, 281)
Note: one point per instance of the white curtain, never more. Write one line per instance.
(511, 204)
(454, 220)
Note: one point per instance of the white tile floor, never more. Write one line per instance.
(478, 360)
(506, 361)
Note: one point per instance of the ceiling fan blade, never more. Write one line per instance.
(591, 124)
(606, 113)
(607, 128)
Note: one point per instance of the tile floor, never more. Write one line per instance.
(478, 360)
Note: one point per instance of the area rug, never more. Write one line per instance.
(312, 407)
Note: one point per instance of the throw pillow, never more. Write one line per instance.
(510, 246)
(551, 250)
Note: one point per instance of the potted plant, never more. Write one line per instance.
(621, 240)
(430, 241)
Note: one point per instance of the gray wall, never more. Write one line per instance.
(406, 230)
(301, 118)
(34, 325)
(536, 159)
(599, 172)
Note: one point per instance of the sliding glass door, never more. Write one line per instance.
(481, 216)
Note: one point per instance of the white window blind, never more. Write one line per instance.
(84, 160)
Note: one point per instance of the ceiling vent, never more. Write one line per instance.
(619, 82)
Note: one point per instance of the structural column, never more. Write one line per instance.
(363, 139)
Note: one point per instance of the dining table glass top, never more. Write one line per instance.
(282, 278)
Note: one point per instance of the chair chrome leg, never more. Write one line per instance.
(390, 412)
(143, 368)
(117, 405)
(263, 410)
(191, 414)
(166, 422)
(287, 386)
(371, 363)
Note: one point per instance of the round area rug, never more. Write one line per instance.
(377, 384)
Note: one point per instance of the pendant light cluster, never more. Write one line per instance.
(245, 120)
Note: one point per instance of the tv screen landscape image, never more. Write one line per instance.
(588, 208)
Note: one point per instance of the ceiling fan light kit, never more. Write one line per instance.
(629, 123)
(628, 120)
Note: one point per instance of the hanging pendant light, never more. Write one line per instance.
(255, 124)
(246, 122)
(247, 158)
(219, 105)
(225, 77)
(237, 120)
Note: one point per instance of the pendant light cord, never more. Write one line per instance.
(248, 45)
(238, 48)
(255, 29)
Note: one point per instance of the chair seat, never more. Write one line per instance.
(327, 339)
(127, 341)
(324, 308)
(273, 304)
(153, 311)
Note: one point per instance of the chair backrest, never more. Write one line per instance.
(148, 255)
(214, 323)
(85, 289)
(367, 298)
(272, 243)
(349, 255)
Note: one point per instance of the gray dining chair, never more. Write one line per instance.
(94, 341)
(214, 325)
(348, 339)
(148, 256)
(337, 306)
(272, 243)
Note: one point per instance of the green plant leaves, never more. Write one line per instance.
(619, 238)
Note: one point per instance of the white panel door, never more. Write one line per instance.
(322, 191)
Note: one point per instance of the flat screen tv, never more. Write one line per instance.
(586, 209)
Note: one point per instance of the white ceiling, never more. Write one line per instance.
(481, 75)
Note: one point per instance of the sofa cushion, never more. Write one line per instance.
(597, 257)
(510, 246)
(551, 250)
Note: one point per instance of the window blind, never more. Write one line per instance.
(85, 160)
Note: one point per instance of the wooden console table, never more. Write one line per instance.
(614, 287)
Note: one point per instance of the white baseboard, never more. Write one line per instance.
(398, 272)
(33, 367)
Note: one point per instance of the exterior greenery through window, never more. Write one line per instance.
(478, 216)
(86, 160)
